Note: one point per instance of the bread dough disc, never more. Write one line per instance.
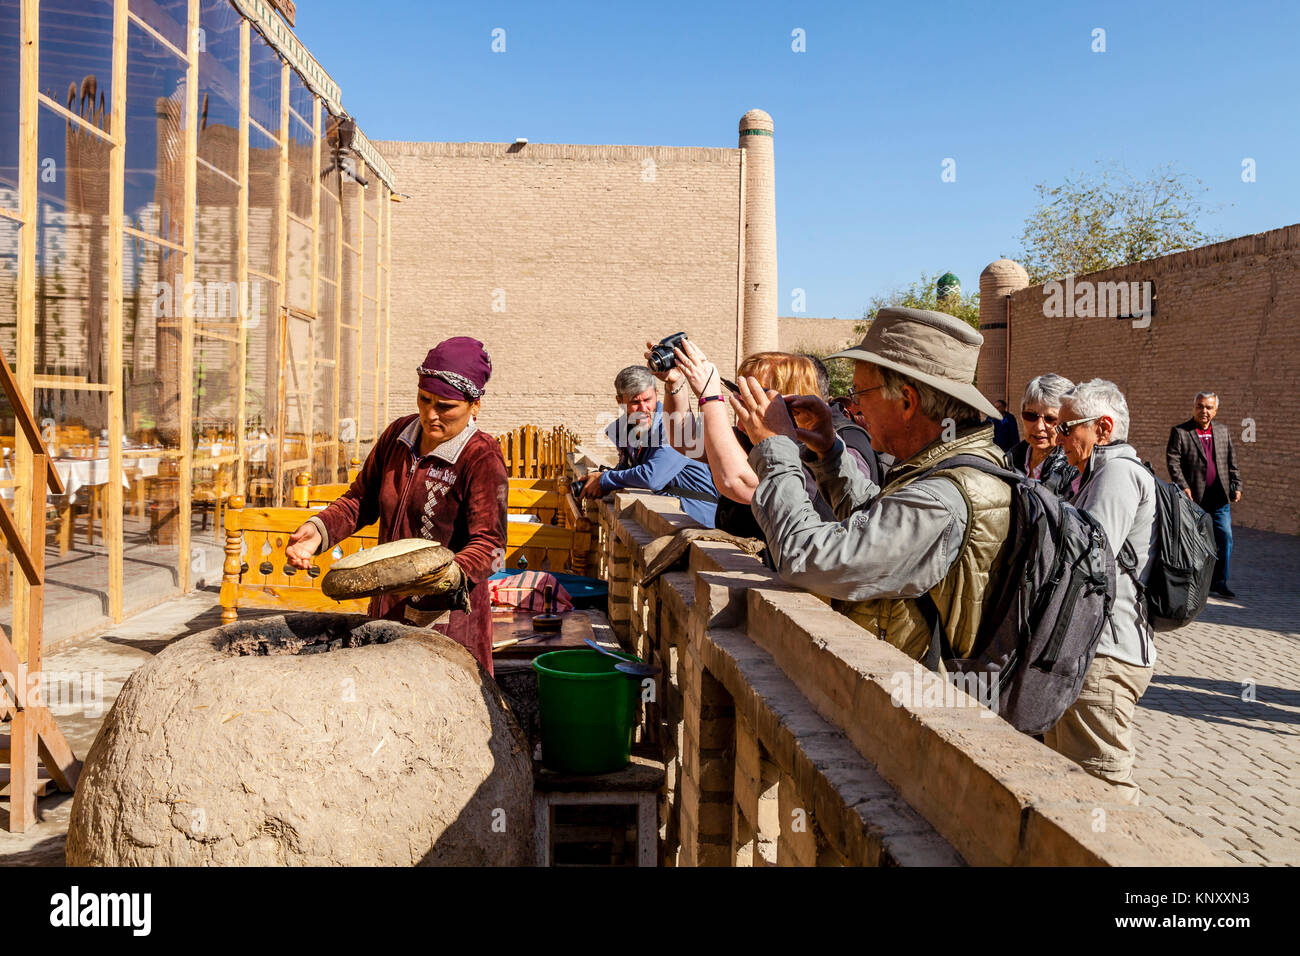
(408, 565)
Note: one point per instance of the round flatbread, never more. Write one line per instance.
(408, 566)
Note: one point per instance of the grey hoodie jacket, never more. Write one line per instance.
(1121, 495)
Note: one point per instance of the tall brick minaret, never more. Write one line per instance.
(759, 331)
(998, 280)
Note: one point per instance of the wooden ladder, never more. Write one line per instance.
(33, 739)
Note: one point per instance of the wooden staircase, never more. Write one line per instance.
(33, 752)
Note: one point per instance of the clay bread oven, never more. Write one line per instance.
(306, 739)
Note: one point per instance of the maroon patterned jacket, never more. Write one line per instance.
(456, 495)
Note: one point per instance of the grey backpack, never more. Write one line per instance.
(1043, 616)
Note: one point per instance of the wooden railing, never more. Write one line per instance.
(530, 452)
(563, 539)
(792, 736)
(255, 572)
(33, 739)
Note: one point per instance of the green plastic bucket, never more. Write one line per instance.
(587, 711)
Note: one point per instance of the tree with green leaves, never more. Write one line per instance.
(928, 293)
(1110, 218)
(839, 371)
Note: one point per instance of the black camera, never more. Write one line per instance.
(661, 356)
(578, 484)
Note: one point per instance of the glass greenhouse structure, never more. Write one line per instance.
(194, 282)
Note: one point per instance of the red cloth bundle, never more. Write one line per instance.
(527, 591)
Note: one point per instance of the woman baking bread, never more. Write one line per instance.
(431, 475)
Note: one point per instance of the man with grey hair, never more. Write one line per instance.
(1202, 463)
(941, 535)
(645, 457)
(1116, 489)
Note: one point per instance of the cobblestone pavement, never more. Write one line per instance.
(1218, 731)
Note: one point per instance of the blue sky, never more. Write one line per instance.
(865, 117)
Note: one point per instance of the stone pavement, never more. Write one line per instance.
(1218, 731)
(1227, 768)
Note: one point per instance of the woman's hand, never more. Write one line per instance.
(670, 377)
(303, 545)
(761, 414)
(700, 373)
(812, 419)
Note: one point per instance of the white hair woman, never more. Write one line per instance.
(1116, 489)
(1039, 454)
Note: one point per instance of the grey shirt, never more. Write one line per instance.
(1122, 497)
(897, 546)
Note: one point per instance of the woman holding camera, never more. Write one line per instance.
(726, 447)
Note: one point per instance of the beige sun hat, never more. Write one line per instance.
(931, 347)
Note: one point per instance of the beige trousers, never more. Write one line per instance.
(1097, 731)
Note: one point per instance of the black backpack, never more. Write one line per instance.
(1183, 569)
(1043, 616)
(855, 436)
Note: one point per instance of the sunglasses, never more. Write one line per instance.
(1032, 417)
(1066, 427)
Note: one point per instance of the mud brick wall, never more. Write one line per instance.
(801, 332)
(1227, 319)
(594, 250)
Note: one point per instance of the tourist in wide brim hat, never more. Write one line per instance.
(940, 534)
(432, 475)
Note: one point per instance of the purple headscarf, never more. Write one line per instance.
(457, 368)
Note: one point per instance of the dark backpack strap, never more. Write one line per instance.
(972, 461)
(678, 491)
(940, 650)
(861, 443)
(939, 646)
(1126, 558)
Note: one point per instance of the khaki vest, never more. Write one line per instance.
(960, 595)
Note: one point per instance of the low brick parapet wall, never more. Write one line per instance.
(788, 743)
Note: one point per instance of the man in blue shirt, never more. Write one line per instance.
(645, 458)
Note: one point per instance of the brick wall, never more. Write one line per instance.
(594, 249)
(1227, 319)
(798, 332)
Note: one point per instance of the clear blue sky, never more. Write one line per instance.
(865, 117)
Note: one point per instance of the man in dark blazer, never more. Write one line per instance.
(1201, 462)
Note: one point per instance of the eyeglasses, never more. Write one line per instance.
(1032, 417)
(1066, 427)
(853, 396)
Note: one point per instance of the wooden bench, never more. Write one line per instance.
(564, 545)
(256, 572)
